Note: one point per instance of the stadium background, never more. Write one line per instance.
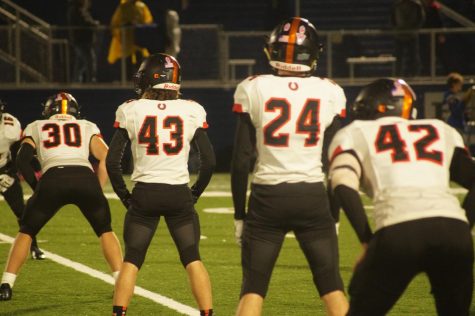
(215, 32)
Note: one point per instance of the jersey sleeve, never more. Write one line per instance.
(342, 142)
(92, 129)
(30, 132)
(242, 101)
(12, 128)
(121, 118)
(200, 118)
(340, 101)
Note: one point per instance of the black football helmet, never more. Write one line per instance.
(61, 103)
(294, 46)
(385, 97)
(158, 71)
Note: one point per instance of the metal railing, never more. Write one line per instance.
(206, 51)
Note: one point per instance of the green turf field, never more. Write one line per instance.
(48, 288)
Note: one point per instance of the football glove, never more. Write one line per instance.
(238, 226)
(5, 182)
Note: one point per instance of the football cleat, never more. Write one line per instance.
(36, 253)
(5, 292)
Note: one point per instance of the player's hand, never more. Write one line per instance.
(238, 226)
(5, 182)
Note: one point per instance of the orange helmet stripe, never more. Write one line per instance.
(64, 106)
(175, 72)
(289, 53)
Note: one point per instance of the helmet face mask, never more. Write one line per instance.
(385, 97)
(158, 71)
(61, 103)
(294, 46)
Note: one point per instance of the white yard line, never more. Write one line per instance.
(113, 196)
(155, 297)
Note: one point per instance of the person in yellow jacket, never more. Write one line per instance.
(128, 14)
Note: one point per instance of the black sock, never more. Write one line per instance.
(208, 312)
(119, 310)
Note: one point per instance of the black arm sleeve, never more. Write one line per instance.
(23, 163)
(113, 160)
(207, 162)
(244, 146)
(330, 131)
(462, 171)
(353, 206)
(11, 166)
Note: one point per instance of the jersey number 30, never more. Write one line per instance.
(148, 135)
(307, 122)
(71, 135)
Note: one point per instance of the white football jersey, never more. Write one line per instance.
(405, 167)
(290, 115)
(62, 140)
(160, 133)
(10, 132)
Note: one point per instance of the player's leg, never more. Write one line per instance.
(14, 198)
(87, 195)
(313, 224)
(320, 247)
(38, 211)
(138, 233)
(260, 249)
(262, 239)
(390, 263)
(184, 228)
(449, 266)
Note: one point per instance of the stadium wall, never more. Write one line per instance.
(99, 105)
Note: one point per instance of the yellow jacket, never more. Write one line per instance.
(128, 14)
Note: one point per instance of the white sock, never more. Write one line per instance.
(115, 275)
(8, 278)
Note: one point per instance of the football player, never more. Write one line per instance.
(10, 187)
(286, 118)
(63, 143)
(405, 166)
(161, 128)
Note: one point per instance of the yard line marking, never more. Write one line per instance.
(113, 196)
(157, 298)
(219, 210)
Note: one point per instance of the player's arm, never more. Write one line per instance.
(99, 150)
(462, 171)
(244, 144)
(345, 173)
(207, 162)
(113, 164)
(23, 161)
(330, 132)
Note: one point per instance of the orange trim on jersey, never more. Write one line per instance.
(205, 125)
(237, 108)
(336, 152)
(116, 124)
(289, 52)
(343, 113)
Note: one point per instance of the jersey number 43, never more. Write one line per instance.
(148, 135)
